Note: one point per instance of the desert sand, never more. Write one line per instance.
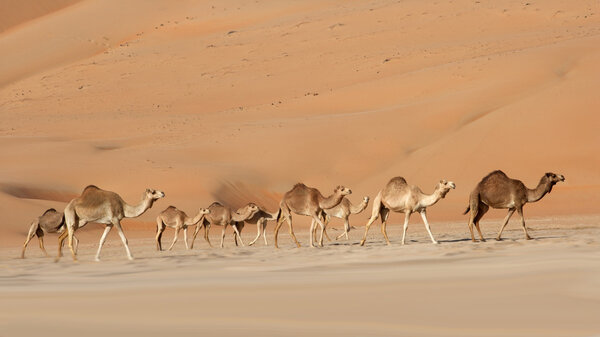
(235, 101)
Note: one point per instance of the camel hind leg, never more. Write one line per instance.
(482, 209)
(374, 215)
(474, 207)
(175, 237)
(160, 228)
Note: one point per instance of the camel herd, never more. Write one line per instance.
(495, 190)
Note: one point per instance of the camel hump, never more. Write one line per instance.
(91, 188)
(398, 181)
(49, 210)
(216, 203)
(299, 185)
(171, 207)
(496, 173)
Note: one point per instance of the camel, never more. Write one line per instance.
(51, 221)
(223, 216)
(398, 196)
(177, 219)
(304, 200)
(105, 207)
(497, 190)
(260, 219)
(343, 211)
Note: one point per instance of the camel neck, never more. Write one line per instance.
(195, 220)
(358, 208)
(331, 201)
(431, 199)
(539, 192)
(132, 211)
(240, 216)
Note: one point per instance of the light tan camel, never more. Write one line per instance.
(398, 196)
(105, 207)
(51, 221)
(259, 219)
(304, 200)
(177, 219)
(343, 211)
(497, 190)
(223, 216)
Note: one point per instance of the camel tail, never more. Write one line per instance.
(467, 210)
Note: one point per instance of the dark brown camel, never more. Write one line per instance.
(497, 190)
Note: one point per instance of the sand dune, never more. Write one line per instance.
(238, 100)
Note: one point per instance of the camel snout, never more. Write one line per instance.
(452, 185)
(562, 178)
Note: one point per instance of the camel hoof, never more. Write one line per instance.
(529, 238)
(362, 243)
(482, 240)
(498, 239)
(130, 258)
(436, 242)
(97, 259)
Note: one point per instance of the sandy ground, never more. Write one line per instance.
(549, 286)
(237, 100)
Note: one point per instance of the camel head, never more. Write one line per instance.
(204, 211)
(341, 190)
(154, 194)
(252, 207)
(444, 187)
(366, 199)
(552, 179)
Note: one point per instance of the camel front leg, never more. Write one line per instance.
(520, 211)
(384, 216)
(223, 235)
(320, 222)
(177, 229)
(406, 218)
(510, 213)
(160, 228)
(102, 240)
(374, 215)
(424, 216)
(185, 238)
(196, 230)
(312, 233)
(276, 232)
(30, 234)
(237, 232)
(346, 229)
(71, 233)
(41, 241)
(264, 231)
(117, 224)
(258, 225)
(206, 236)
(61, 240)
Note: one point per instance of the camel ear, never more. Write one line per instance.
(148, 190)
(549, 174)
